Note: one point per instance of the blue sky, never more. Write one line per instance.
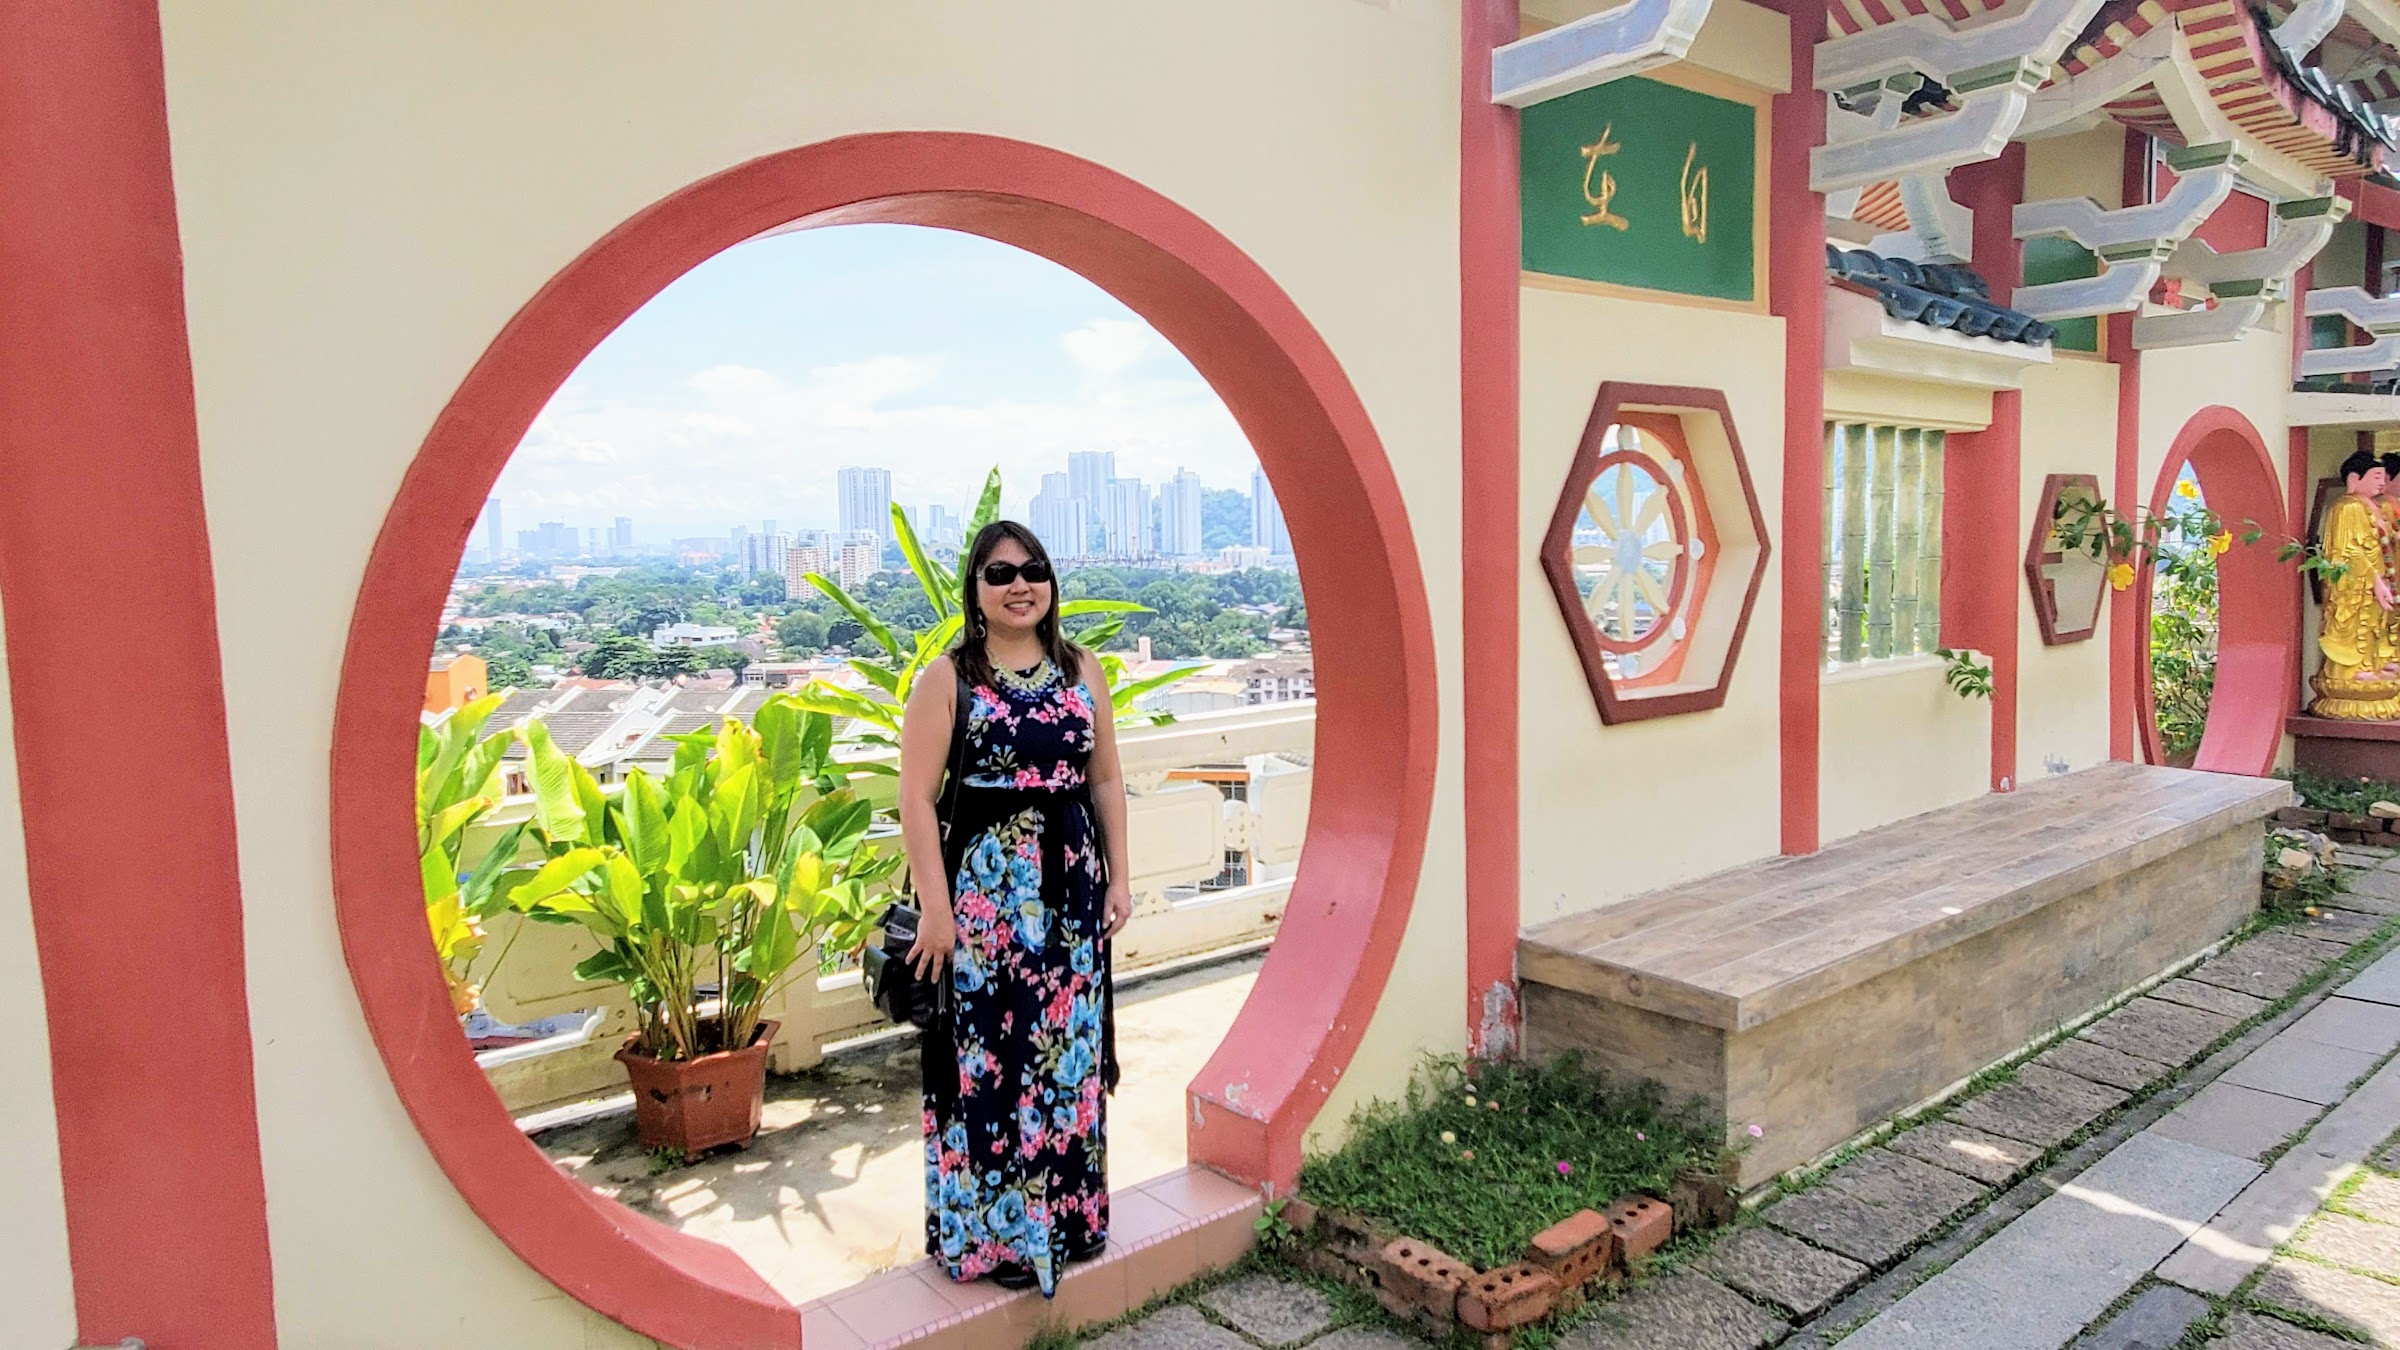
(737, 392)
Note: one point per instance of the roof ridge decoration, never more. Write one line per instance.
(1980, 74)
(2133, 243)
(1595, 50)
(2241, 284)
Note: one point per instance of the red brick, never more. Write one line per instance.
(2303, 816)
(1353, 1236)
(2343, 820)
(1575, 1249)
(1299, 1216)
(1420, 1275)
(1642, 1225)
(1509, 1297)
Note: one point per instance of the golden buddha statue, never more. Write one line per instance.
(2360, 678)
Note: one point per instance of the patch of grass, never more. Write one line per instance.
(2351, 796)
(1527, 1145)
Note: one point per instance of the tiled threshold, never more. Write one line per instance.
(1162, 1233)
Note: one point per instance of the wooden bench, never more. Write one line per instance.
(1816, 996)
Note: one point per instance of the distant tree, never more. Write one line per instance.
(722, 658)
(1224, 518)
(802, 633)
(510, 671)
(675, 661)
(619, 657)
(763, 590)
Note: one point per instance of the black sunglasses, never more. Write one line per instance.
(1004, 573)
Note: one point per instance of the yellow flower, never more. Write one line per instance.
(2120, 576)
(2187, 488)
(2220, 541)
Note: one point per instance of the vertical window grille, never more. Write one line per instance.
(1883, 541)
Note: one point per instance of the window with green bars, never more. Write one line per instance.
(1883, 541)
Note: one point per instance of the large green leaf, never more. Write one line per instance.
(876, 628)
(644, 813)
(929, 576)
(1122, 696)
(557, 804)
(482, 897)
(818, 696)
(987, 507)
(1074, 608)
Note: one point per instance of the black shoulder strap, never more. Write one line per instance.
(962, 706)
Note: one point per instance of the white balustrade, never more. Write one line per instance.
(2379, 317)
(1180, 832)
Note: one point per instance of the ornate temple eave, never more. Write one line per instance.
(1594, 50)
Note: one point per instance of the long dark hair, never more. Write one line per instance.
(970, 655)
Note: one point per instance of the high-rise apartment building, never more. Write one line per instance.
(1266, 518)
(939, 528)
(620, 537)
(762, 554)
(862, 557)
(1125, 519)
(865, 505)
(494, 542)
(801, 559)
(553, 539)
(1179, 515)
(1089, 472)
(1061, 520)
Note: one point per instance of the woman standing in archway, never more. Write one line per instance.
(1028, 840)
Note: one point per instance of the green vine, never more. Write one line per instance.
(1966, 676)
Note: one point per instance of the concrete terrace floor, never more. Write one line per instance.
(832, 1190)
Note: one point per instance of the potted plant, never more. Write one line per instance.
(704, 890)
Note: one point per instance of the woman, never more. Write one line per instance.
(1021, 867)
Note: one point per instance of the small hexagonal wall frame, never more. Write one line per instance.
(2067, 584)
(1657, 550)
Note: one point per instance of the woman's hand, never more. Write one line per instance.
(1120, 908)
(937, 933)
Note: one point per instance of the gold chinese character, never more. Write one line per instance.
(1695, 197)
(1601, 215)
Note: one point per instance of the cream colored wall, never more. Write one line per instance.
(1894, 742)
(1610, 812)
(2069, 426)
(37, 1295)
(367, 193)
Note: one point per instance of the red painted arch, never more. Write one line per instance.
(2258, 598)
(1373, 632)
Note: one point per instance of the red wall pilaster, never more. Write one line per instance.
(129, 834)
(1983, 489)
(1488, 519)
(1796, 294)
(2125, 665)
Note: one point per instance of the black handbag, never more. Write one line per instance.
(892, 983)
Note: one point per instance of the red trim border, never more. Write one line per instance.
(1377, 712)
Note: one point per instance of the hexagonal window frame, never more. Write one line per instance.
(2041, 554)
(1710, 455)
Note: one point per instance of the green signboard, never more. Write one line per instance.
(1639, 183)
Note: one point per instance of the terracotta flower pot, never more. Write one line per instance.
(694, 1105)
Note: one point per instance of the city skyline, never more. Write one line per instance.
(741, 389)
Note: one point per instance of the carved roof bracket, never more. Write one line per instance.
(1886, 146)
(2242, 284)
(2133, 243)
(1594, 50)
(2378, 316)
(2309, 23)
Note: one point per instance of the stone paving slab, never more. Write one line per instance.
(1178, 1326)
(2209, 998)
(2041, 1106)
(1684, 1311)
(2378, 983)
(1882, 1177)
(2309, 1070)
(1773, 1268)
(2360, 1301)
(2378, 1197)
(2376, 892)
(2099, 1064)
(2346, 926)
(1987, 1158)
(2345, 1241)
(2352, 1024)
(2037, 1283)
(2269, 965)
(2255, 1331)
(2230, 1118)
(2155, 1320)
(2245, 1233)
(1270, 1311)
(2152, 1028)
(1368, 1338)
(1875, 1206)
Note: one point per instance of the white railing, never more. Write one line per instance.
(1181, 833)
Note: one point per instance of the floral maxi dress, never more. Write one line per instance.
(1016, 1081)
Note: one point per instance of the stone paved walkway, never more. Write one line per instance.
(2144, 1183)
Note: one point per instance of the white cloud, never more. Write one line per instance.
(737, 443)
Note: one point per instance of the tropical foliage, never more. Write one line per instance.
(458, 782)
(752, 850)
(904, 652)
